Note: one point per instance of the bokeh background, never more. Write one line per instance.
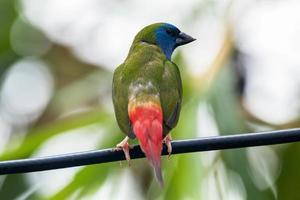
(241, 75)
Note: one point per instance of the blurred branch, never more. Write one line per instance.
(254, 119)
(180, 146)
(221, 58)
(207, 78)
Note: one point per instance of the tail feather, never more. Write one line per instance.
(147, 126)
(158, 175)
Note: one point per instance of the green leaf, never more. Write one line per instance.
(37, 136)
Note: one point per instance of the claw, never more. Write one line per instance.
(123, 145)
(167, 141)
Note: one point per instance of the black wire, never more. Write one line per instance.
(179, 146)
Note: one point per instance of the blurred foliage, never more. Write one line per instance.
(7, 16)
(81, 98)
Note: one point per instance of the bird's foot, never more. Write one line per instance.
(167, 141)
(123, 145)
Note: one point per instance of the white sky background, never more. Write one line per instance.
(100, 32)
(268, 33)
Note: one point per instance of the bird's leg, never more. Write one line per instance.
(167, 141)
(123, 145)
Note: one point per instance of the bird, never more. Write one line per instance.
(147, 92)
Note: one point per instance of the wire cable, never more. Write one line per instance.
(178, 147)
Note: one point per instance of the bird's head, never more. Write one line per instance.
(164, 35)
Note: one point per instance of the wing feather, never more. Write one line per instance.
(171, 95)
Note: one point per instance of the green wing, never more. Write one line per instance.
(120, 101)
(171, 95)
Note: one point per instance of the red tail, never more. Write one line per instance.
(147, 126)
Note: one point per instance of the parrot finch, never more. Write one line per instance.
(147, 91)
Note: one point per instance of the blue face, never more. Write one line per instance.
(166, 36)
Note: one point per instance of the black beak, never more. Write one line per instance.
(183, 39)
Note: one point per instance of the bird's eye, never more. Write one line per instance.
(170, 32)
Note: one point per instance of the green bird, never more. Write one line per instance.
(147, 91)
